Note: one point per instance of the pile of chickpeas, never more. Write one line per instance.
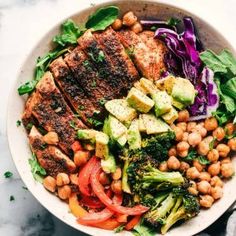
(128, 20)
(206, 180)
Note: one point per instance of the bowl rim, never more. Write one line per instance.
(83, 8)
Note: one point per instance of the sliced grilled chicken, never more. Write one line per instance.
(145, 58)
(51, 111)
(72, 90)
(48, 156)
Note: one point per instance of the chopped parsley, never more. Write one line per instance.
(18, 123)
(102, 101)
(8, 174)
(73, 124)
(154, 28)
(43, 146)
(211, 144)
(130, 51)
(173, 21)
(81, 107)
(87, 65)
(203, 160)
(29, 126)
(101, 56)
(95, 122)
(94, 84)
(12, 198)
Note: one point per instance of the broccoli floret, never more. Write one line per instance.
(157, 146)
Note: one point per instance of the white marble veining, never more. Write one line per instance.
(22, 23)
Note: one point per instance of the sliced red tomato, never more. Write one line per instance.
(99, 191)
(91, 202)
(84, 176)
(76, 146)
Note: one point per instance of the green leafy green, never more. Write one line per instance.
(211, 144)
(191, 155)
(227, 58)
(173, 21)
(69, 34)
(203, 160)
(143, 230)
(37, 170)
(12, 198)
(18, 123)
(102, 18)
(119, 228)
(8, 174)
(229, 88)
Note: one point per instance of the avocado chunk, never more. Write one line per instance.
(154, 125)
(139, 101)
(162, 102)
(183, 91)
(108, 164)
(178, 104)
(141, 125)
(138, 86)
(86, 134)
(148, 86)
(166, 84)
(134, 137)
(171, 116)
(102, 149)
(115, 130)
(120, 109)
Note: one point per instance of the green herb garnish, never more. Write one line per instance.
(37, 170)
(173, 21)
(119, 228)
(73, 124)
(94, 84)
(81, 107)
(211, 144)
(18, 123)
(12, 198)
(102, 101)
(29, 126)
(203, 160)
(8, 174)
(95, 122)
(25, 188)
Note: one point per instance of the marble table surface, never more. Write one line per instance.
(22, 23)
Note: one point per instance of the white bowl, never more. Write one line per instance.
(18, 141)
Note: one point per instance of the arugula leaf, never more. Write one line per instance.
(37, 170)
(27, 87)
(102, 18)
(173, 21)
(8, 174)
(229, 88)
(69, 34)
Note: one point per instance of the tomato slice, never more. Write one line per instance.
(91, 202)
(76, 146)
(84, 176)
(99, 191)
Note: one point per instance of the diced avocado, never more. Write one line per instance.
(178, 104)
(121, 110)
(115, 128)
(162, 102)
(122, 140)
(148, 86)
(171, 116)
(109, 164)
(141, 125)
(134, 137)
(166, 84)
(138, 86)
(183, 91)
(139, 101)
(86, 134)
(101, 144)
(154, 125)
(124, 182)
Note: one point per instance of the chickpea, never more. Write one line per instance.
(191, 126)
(137, 28)
(182, 125)
(216, 181)
(205, 176)
(49, 183)
(192, 173)
(185, 136)
(64, 192)
(74, 179)
(223, 150)
(104, 179)
(206, 201)
(183, 116)
(51, 138)
(117, 24)
(116, 186)
(232, 144)
(214, 169)
(213, 155)
(129, 19)
(198, 165)
(173, 163)
(227, 170)
(182, 146)
(183, 154)
(230, 128)
(203, 147)
(201, 130)
(172, 152)
(117, 174)
(193, 188)
(163, 166)
(217, 192)
(225, 160)
(81, 157)
(194, 139)
(62, 179)
(184, 166)
(204, 187)
(219, 133)
(178, 133)
(211, 123)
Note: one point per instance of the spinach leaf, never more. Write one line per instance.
(229, 88)
(228, 60)
(102, 18)
(69, 34)
(212, 61)
(37, 170)
(173, 21)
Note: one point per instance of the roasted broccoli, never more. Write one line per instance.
(168, 208)
(157, 146)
